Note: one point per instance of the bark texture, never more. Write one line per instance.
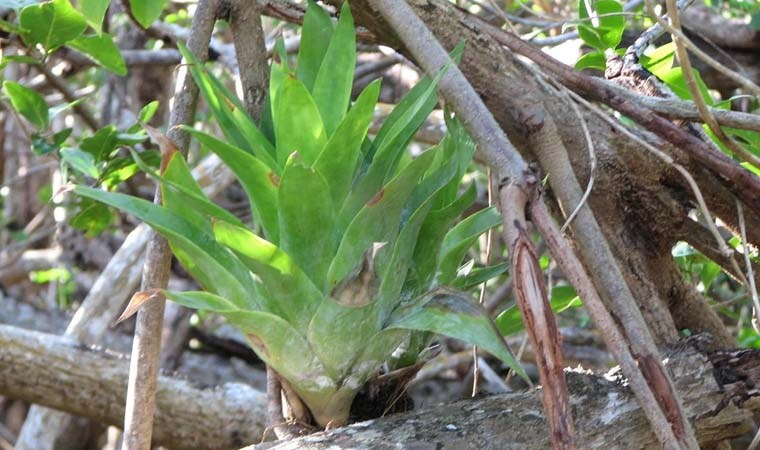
(60, 373)
(607, 417)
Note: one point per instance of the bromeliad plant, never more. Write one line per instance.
(354, 241)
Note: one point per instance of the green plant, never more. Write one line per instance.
(356, 241)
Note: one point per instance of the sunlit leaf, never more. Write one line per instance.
(28, 103)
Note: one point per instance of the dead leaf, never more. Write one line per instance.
(136, 301)
(165, 145)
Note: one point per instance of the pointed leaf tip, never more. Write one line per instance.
(136, 301)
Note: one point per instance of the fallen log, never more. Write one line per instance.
(607, 415)
(57, 372)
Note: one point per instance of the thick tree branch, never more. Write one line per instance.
(607, 418)
(60, 373)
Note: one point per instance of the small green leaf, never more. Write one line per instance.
(148, 111)
(93, 11)
(51, 24)
(479, 276)
(677, 83)
(332, 88)
(42, 145)
(92, 218)
(297, 124)
(316, 33)
(453, 314)
(605, 26)
(81, 161)
(510, 321)
(460, 238)
(28, 103)
(101, 144)
(660, 60)
(147, 11)
(102, 50)
(593, 60)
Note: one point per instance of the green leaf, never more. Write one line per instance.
(42, 145)
(335, 326)
(147, 112)
(338, 159)
(284, 349)
(316, 33)
(460, 238)
(201, 300)
(147, 11)
(101, 144)
(390, 144)
(307, 230)
(453, 314)
(28, 103)
(479, 276)
(102, 50)
(605, 28)
(230, 113)
(291, 294)
(81, 161)
(659, 61)
(207, 261)
(593, 60)
(378, 220)
(510, 321)
(121, 169)
(93, 11)
(332, 88)
(182, 195)
(431, 236)
(297, 124)
(258, 181)
(92, 218)
(51, 24)
(677, 83)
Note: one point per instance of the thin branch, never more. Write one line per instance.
(61, 86)
(748, 264)
(138, 421)
(691, 82)
(591, 158)
(745, 185)
(675, 30)
(517, 184)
